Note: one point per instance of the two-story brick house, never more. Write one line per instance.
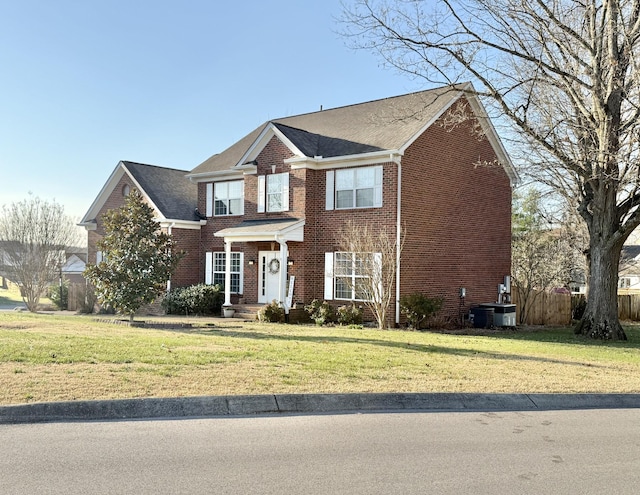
(430, 163)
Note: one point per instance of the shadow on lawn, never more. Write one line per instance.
(565, 335)
(421, 348)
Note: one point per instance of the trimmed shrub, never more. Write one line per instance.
(349, 315)
(59, 295)
(271, 313)
(418, 308)
(201, 299)
(320, 312)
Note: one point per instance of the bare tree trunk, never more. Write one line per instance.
(600, 319)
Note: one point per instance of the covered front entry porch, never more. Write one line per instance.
(272, 264)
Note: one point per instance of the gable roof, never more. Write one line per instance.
(167, 188)
(389, 124)
(629, 258)
(173, 197)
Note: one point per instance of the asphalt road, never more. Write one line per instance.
(537, 452)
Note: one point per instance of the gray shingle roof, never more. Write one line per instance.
(378, 125)
(175, 196)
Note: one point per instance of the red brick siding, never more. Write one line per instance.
(274, 153)
(458, 217)
(188, 240)
(322, 227)
(188, 271)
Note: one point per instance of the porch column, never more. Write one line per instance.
(282, 286)
(227, 273)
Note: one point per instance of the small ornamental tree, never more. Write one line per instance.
(138, 258)
(34, 234)
(368, 265)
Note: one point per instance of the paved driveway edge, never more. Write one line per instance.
(242, 405)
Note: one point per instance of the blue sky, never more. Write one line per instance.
(86, 83)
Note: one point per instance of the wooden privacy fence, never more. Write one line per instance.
(555, 309)
(629, 307)
(547, 308)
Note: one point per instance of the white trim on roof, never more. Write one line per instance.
(183, 224)
(469, 92)
(108, 188)
(262, 140)
(229, 174)
(361, 159)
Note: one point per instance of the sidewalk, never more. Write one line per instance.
(247, 405)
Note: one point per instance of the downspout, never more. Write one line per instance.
(398, 239)
(169, 230)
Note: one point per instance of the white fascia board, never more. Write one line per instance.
(183, 224)
(107, 189)
(320, 163)
(494, 139)
(88, 225)
(262, 140)
(433, 119)
(102, 196)
(487, 126)
(219, 176)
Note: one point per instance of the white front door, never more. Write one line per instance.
(270, 266)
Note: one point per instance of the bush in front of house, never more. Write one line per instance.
(320, 312)
(59, 295)
(349, 315)
(271, 313)
(418, 308)
(201, 299)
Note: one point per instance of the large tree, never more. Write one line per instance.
(565, 74)
(138, 258)
(34, 235)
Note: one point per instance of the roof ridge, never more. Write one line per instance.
(377, 100)
(154, 166)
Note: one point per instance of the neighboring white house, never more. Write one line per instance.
(629, 272)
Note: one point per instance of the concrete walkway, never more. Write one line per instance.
(243, 405)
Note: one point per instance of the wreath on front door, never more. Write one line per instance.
(274, 266)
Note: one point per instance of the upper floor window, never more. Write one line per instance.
(228, 198)
(225, 198)
(273, 192)
(354, 188)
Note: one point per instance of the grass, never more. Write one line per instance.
(51, 358)
(10, 295)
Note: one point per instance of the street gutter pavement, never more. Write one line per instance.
(279, 404)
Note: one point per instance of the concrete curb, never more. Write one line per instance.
(246, 405)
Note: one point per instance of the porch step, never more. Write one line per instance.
(247, 312)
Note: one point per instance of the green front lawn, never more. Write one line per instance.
(10, 295)
(50, 358)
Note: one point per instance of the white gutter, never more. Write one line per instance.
(345, 161)
(169, 231)
(398, 239)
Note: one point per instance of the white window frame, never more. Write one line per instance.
(221, 194)
(264, 193)
(624, 283)
(353, 275)
(332, 185)
(215, 265)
